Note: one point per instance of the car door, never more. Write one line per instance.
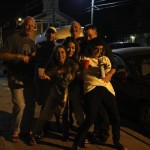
(126, 87)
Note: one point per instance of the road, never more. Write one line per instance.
(131, 134)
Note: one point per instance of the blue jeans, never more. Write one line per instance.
(23, 104)
(51, 105)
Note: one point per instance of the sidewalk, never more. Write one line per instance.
(132, 139)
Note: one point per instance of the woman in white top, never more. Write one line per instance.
(99, 94)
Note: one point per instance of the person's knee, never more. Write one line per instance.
(20, 106)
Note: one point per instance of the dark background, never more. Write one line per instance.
(131, 16)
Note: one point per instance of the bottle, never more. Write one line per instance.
(101, 68)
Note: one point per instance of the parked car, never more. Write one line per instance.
(132, 83)
(115, 45)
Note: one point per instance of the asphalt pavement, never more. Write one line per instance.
(131, 135)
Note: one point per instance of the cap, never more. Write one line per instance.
(51, 29)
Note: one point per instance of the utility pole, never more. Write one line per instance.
(92, 11)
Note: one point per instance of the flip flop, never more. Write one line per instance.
(86, 143)
(15, 139)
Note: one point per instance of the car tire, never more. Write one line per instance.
(145, 116)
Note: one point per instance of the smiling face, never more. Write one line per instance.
(97, 51)
(28, 26)
(50, 34)
(71, 49)
(75, 29)
(61, 55)
(90, 34)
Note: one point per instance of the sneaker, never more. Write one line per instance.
(15, 137)
(32, 140)
(85, 144)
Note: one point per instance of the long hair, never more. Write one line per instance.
(77, 47)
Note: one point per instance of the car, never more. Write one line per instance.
(115, 45)
(132, 83)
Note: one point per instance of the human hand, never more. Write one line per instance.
(25, 58)
(44, 76)
(71, 76)
(107, 77)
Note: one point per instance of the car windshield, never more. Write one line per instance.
(141, 65)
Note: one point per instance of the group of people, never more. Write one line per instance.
(74, 74)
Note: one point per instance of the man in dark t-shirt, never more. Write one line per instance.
(19, 52)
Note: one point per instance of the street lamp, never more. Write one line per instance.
(19, 20)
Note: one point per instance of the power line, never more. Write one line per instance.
(101, 6)
(113, 3)
(104, 5)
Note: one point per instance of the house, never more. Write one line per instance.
(50, 16)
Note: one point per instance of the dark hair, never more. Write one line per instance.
(92, 43)
(77, 47)
(57, 47)
(89, 26)
(55, 52)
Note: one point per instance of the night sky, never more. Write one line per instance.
(77, 9)
(124, 17)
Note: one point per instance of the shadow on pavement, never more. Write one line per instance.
(54, 145)
(54, 134)
(133, 125)
(5, 121)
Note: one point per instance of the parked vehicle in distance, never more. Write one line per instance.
(132, 83)
(115, 45)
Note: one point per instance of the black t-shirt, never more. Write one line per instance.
(44, 51)
(18, 44)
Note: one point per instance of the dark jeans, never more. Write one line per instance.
(76, 98)
(101, 125)
(97, 99)
(42, 88)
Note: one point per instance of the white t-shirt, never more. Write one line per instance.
(91, 75)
